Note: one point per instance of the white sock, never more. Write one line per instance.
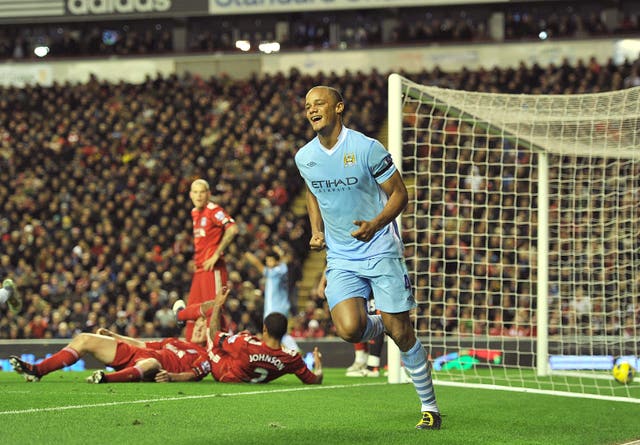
(415, 361)
(361, 356)
(374, 327)
(373, 361)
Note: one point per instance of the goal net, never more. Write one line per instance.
(522, 234)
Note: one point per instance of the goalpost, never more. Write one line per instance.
(522, 234)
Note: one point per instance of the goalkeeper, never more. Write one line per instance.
(354, 194)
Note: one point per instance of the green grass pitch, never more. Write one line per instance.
(63, 409)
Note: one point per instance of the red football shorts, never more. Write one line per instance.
(204, 287)
(128, 355)
(206, 284)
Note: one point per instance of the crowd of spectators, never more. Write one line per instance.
(321, 29)
(473, 240)
(87, 39)
(94, 218)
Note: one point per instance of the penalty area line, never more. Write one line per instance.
(180, 398)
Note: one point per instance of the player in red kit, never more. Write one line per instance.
(246, 358)
(213, 231)
(133, 360)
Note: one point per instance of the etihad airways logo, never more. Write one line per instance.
(334, 185)
(82, 7)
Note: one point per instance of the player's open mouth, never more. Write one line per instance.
(316, 118)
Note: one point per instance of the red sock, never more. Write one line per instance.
(360, 346)
(64, 357)
(132, 374)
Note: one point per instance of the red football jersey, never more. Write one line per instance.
(245, 358)
(181, 356)
(208, 228)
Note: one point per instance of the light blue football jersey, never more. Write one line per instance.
(345, 180)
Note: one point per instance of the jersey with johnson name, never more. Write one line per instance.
(245, 358)
(346, 180)
(208, 228)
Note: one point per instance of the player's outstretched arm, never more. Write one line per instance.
(317, 365)
(218, 304)
(285, 256)
(255, 261)
(164, 376)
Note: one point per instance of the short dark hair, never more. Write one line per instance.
(272, 253)
(276, 325)
(336, 94)
(333, 91)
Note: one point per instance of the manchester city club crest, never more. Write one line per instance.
(349, 160)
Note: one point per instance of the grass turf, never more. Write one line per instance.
(63, 409)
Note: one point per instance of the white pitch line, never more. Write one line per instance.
(537, 391)
(321, 387)
(171, 399)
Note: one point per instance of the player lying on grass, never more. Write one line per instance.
(246, 358)
(134, 360)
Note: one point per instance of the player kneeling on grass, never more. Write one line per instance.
(246, 358)
(169, 360)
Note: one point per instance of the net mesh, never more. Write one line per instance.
(471, 162)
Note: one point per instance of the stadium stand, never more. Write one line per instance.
(95, 223)
(321, 30)
(94, 218)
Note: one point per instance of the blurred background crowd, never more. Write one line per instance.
(474, 238)
(326, 29)
(95, 219)
(95, 223)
